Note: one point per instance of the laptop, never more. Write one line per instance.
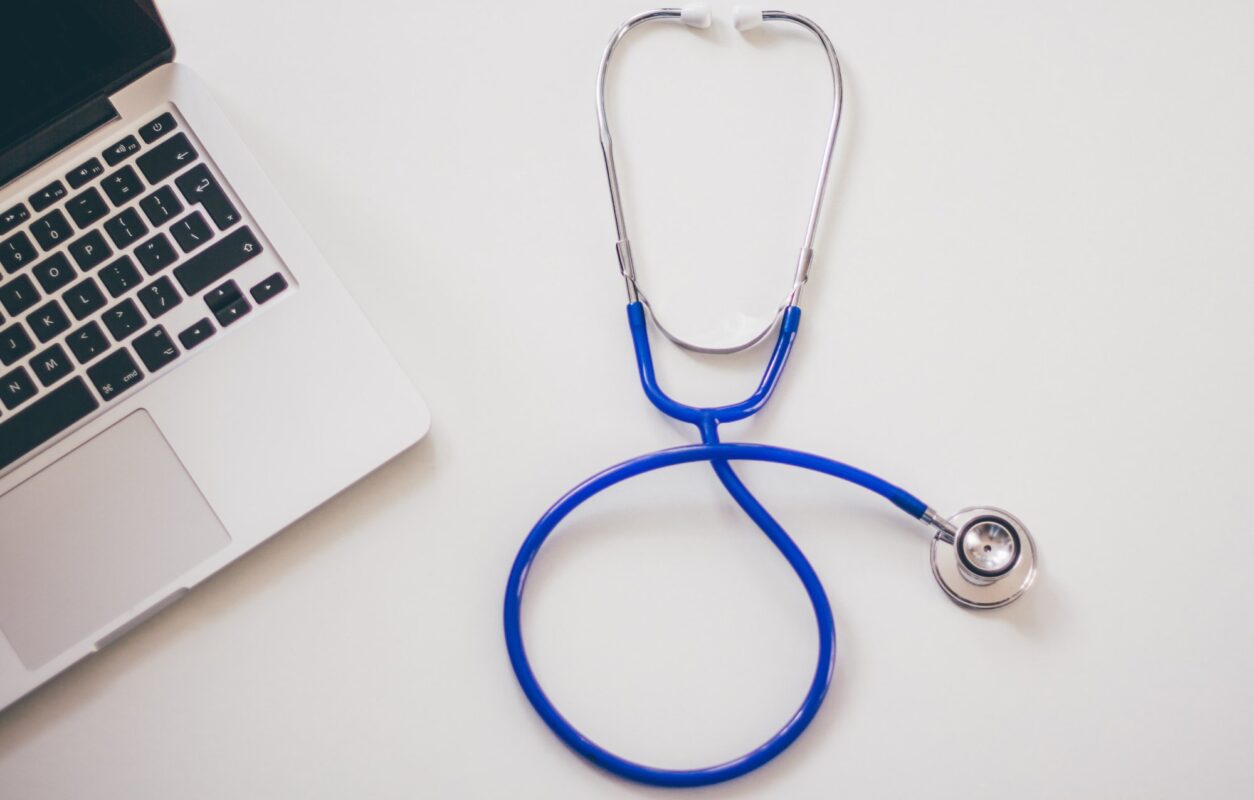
(181, 374)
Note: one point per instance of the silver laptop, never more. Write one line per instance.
(181, 375)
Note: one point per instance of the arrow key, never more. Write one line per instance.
(227, 303)
(268, 288)
(233, 312)
(197, 333)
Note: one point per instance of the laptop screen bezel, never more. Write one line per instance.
(84, 106)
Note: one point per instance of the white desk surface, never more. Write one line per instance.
(1032, 288)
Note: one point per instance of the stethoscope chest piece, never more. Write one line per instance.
(988, 559)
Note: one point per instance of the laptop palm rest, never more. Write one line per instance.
(92, 536)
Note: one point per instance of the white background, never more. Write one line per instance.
(1031, 289)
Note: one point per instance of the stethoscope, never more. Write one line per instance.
(982, 557)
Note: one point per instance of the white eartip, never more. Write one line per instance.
(697, 16)
(746, 17)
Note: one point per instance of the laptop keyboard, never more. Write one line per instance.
(91, 265)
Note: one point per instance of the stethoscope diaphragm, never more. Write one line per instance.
(986, 560)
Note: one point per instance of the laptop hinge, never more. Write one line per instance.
(55, 136)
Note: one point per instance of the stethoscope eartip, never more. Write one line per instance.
(746, 18)
(985, 558)
(697, 15)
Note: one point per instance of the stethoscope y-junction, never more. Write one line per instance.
(981, 557)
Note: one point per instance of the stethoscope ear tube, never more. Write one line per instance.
(805, 255)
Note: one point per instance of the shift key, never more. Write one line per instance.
(215, 262)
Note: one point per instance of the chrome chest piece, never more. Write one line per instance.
(983, 557)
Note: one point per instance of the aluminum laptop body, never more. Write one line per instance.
(184, 376)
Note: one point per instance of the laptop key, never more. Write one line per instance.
(167, 158)
(123, 186)
(17, 252)
(161, 206)
(15, 344)
(51, 365)
(227, 303)
(191, 231)
(87, 342)
(45, 418)
(16, 388)
(121, 151)
(48, 321)
(197, 333)
(51, 230)
(116, 373)
(268, 288)
(54, 272)
(18, 294)
(86, 207)
(123, 319)
(156, 254)
(232, 313)
(13, 217)
(200, 188)
(47, 196)
(218, 260)
(90, 250)
(155, 348)
(126, 228)
(222, 296)
(120, 277)
(83, 173)
(84, 299)
(159, 297)
(158, 127)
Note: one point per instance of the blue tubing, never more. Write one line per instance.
(718, 454)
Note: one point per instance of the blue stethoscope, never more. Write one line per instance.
(981, 557)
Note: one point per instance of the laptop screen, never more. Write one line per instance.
(58, 54)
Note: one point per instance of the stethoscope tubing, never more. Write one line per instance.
(718, 454)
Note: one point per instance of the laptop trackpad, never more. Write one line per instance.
(96, 533)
